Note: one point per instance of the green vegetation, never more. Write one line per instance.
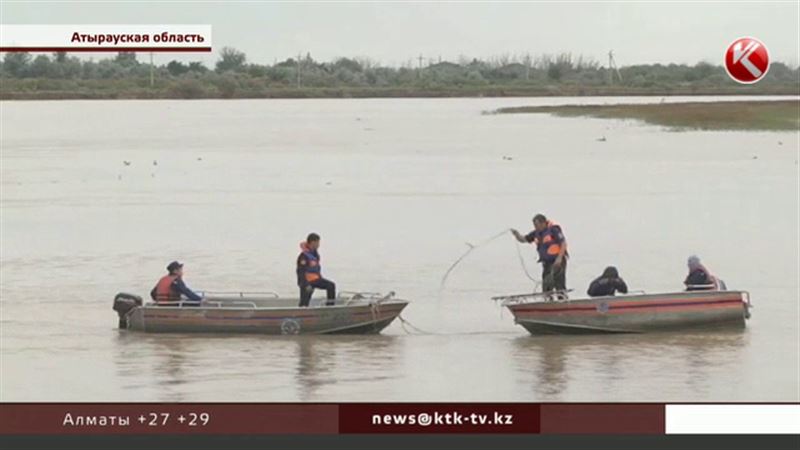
(783, 115)
(61, 76)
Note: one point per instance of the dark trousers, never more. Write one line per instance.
(306, 290)
(554, 278)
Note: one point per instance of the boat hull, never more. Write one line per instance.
(358, 319)
(634, 313)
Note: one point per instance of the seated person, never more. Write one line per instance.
(607, 284)
(699, 278)
(169, 288)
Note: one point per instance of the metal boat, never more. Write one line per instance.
(265, 313)
(546, 313)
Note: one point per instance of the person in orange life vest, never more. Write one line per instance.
(309, 272)
(699, 278)
(552, 248)
(171, 286)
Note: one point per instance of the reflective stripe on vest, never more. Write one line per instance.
(164, 292)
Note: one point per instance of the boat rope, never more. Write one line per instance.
(404, 322)
(469, 250)
(536, 282)
(517, 246)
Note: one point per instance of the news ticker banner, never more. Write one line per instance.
(396, 418)
(105, 38)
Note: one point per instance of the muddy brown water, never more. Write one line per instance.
(396, 188)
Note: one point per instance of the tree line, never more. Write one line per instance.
(233, 76)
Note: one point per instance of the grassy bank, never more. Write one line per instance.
(781, 115)
(47, 89)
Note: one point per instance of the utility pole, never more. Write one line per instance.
(151, 70)
(298, 70)
(527, 61)
(612, 68)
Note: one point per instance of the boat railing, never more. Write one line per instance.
(346, 297)
(359, 294)
(205, 303)
(350, 297)
(226, 304)
(550, 296)
(176, 303)
(243, 294)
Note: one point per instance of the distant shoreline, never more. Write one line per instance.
(30, 91)
(24, 76)
(775, 115)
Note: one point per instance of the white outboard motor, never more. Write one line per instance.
(123, 304)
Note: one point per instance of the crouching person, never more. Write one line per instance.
(608, 283)
(309, 272)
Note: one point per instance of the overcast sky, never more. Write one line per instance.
(395, 33)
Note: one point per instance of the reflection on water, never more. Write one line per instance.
(175, 364)
(549, 364)
(328, 360)
(167, 359)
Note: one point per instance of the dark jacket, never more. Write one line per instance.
(601, 287)
(608, 283)
(698, 280)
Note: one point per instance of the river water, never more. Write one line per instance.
(395, 188)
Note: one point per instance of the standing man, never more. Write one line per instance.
(552, 248)
(309, 272)
(171, 286)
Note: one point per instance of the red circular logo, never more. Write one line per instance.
(747, 60)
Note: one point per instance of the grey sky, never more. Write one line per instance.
(395, 33)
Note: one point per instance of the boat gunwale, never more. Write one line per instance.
(200, 307)
(666, 296)
(637, 313)
(382, 314)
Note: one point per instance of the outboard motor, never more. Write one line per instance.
(123, 304)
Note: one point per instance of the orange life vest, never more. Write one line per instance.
(313, 271)
(545, 242)
(164, 291)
